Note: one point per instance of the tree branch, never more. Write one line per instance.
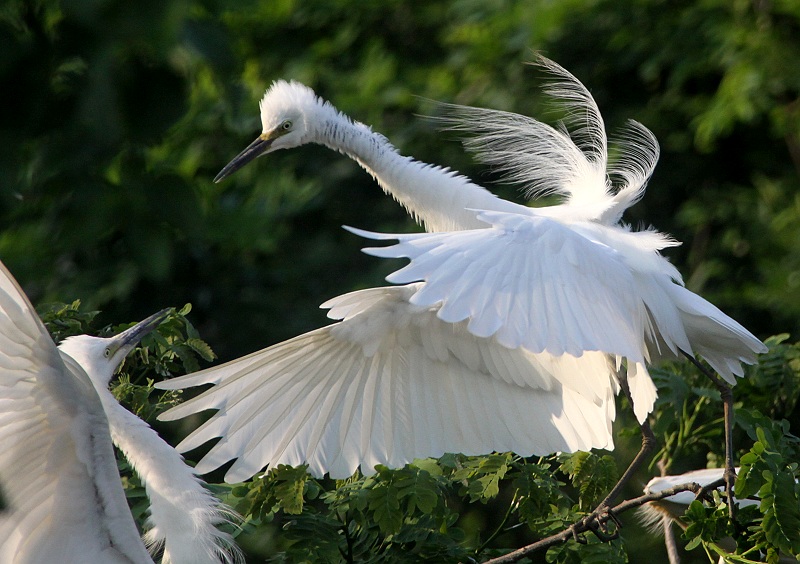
(726, 394)
(669, 540)
(591, 523)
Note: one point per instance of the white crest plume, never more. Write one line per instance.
(570, 160)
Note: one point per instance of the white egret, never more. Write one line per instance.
(59, 481)
(704, 478)
(567, 281)
(661, 515)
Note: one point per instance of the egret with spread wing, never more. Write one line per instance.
(62, 496)
(568, 281)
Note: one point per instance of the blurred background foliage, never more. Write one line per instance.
(117, 115)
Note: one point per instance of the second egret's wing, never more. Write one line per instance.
(61, 491)
(703, 477)
(388, 384)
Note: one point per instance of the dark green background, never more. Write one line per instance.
(115, 117)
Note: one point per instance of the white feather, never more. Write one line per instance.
(388, 384)
(58, 473)
(675, 505)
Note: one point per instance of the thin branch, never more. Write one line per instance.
(502, 524)
(726, 394)
(669, 540)
(648, 444)
(591, 523)
(666, 523)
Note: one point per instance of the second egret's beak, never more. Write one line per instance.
(255, 149)
(128, 339)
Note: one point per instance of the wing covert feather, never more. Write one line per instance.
(562, 292)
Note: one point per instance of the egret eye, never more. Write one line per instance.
(107, 353)
(286, 125)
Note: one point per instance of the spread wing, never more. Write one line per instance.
(63, 500)
(391, 383)
(548, 285)
(528, 281)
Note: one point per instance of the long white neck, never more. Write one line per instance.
(436, 197)
(183, 514)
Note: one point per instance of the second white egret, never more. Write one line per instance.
(60, 485)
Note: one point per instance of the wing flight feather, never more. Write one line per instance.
(340, 397)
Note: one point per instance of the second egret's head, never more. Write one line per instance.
(289, 111)
(99, 356)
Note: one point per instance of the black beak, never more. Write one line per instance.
(128, 339)
(253, 150)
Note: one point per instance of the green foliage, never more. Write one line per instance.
(768, 465)
(66, 320)
(481, 477)
(283, 488)
(112, 141)
(409, 514)
(593, 475)
(593, 551)
(706, 523)
(174, 348)
(769, 471)
(774, 383)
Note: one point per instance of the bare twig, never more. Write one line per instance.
(669, 540)
(590, 523)
(726, 394)
(648, 444)
(666, 523)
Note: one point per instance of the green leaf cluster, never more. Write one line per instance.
(593, 475)
(413, 513)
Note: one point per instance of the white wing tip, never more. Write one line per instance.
(369, 234)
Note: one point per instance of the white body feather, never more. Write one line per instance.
(183, 513)
(659, 516)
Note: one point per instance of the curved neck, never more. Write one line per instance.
(436, 197)
(183, 514)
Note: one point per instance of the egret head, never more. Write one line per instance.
(99, 356)
(289, 114)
